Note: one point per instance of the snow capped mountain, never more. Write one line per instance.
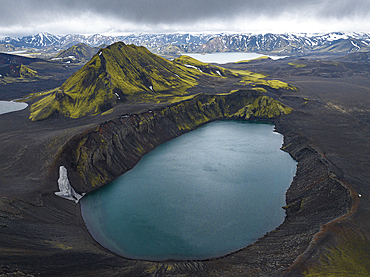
(289, 43)
(164, 39)
(92, 40)
(39, 40)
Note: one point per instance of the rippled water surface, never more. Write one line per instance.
(205, 194)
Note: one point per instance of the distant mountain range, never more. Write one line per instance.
(337, 42)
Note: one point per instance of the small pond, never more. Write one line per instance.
(9, 106)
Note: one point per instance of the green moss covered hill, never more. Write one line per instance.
(123, 73)
(80, 53)
(116, 74)
(18, 71)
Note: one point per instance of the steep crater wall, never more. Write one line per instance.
(99, 156)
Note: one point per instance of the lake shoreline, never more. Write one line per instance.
(244, 150)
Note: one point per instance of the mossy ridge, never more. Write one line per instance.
(45, 107)
(297, 65)
(17, 71)
(259, 58)
(259, 79)
(263, 107)
(349, 257)
(79, 52)
(25, 72)
(210, 107)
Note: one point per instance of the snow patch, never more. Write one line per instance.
(355, 45)
(218, 72)
(65, 189)
(151, 88)
(11, 106)
(192, 66)
(336, 36)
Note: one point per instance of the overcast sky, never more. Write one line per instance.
(28, 17)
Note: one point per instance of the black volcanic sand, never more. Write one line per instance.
(328, 131)
(50, 75)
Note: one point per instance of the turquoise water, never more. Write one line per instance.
(202, 195)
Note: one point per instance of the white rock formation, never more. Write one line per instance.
(65, 189)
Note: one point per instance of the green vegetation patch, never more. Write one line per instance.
(17, 73)
(240, 104)
(25, 72)
(349, 258)
(259, 79)
(80, 52)
(263, 107)
(259, 58)
(297, 65)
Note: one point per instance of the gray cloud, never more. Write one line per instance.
(155, 13)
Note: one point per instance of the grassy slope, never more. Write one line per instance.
(258, 79)
(81, 52)
(349, 256)
(26, 72)
(115, 74)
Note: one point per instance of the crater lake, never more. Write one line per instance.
(205, 194)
